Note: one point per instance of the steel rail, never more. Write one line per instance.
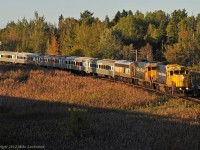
(191, 99)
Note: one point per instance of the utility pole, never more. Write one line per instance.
(162, 50)
(0, 46)
(136, 55)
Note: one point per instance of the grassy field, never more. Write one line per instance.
(56, 109)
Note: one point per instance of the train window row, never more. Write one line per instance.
(151, 68)
(74, 63)
(30, 58)
(106, 67)
(11, 56)
(21, 57)
(178, 72)
(6, 56)
(70, 62)
(122, 70)
(45, 60)
(55, 61)
(79, 64)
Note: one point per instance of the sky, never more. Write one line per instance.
(14, 10)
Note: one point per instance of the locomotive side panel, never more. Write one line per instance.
(140, 70)
(161, 74)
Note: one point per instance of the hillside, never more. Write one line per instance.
(56, 109)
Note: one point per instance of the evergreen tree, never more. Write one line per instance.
(172, 33)
(123, 14)
(87, 17)
(67, 39)
(178, 15)
(130, 13)
(107, 22)
(117, 17)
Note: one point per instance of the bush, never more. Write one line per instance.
(77, 122)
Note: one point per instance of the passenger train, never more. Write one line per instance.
(169, 78)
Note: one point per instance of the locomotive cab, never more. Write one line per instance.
(178, 76)
(146, 71)
(151, 72)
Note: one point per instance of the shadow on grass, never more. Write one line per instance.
(58, 125)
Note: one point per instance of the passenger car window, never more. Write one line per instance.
(177, 72)
(182, 72)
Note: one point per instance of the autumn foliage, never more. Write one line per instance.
(53, 49)
(156, 35)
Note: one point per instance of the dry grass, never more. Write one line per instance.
(61, 110)
(62, 86)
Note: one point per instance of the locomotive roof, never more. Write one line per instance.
(171, 67)
(146, 64)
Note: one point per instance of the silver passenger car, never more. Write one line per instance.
(76, 63)
(57, 61)
(124, 68)
(22, 57)
(6, 56)
(53, 61)
(43, 60)
(15, 57)
(103, 67)
(33, 58)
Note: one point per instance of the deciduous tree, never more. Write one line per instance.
(53, 48)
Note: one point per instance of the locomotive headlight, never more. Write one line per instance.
(187, 88)
(180, 88)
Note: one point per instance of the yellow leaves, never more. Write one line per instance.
(172, 52)
(53, 50)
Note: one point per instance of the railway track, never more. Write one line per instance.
(191, 99)
(195, 100)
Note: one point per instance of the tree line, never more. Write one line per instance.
(155, 35)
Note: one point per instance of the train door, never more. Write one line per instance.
(148, 73)
(170, 78)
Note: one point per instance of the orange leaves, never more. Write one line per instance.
(53, 49)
